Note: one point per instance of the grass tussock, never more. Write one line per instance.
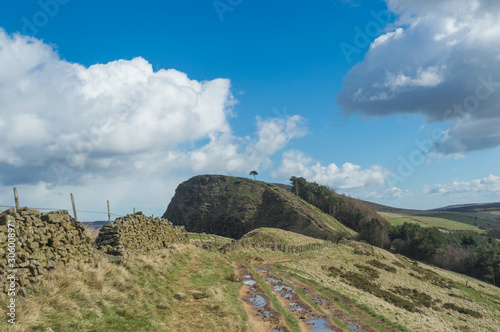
(137, 295)
(366, 270)
(431, 277)
(462, 310)
(278, 236)
(411, 303)
(378, 264)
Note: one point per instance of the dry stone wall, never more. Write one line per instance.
(136, 233)
(31, 243)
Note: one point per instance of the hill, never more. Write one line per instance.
(480, 218)
(232, 206)
(491, 208)
(278, 236)
(347, 287)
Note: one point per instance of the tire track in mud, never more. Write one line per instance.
(356, 318)
(309, 318)
(325, 301)
(315, 309)
(262, 314)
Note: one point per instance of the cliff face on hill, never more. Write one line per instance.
(231, 206)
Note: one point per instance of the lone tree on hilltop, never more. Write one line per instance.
(254, 173)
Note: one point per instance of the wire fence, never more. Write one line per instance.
(77, 214)
(80, 218)
(217, 243)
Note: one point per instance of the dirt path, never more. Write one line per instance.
(314, 308)
(263, 316)
(344, 316)
(329, 306)
(309, 318)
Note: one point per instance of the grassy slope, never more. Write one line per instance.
(445, 221)
(250, 192)
(436, 285)
(279, 236)
(139, 294)
(326, 219)
(479, 221)
(136, 296)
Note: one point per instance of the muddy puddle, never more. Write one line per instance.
(318, 300)
(280, 288)
(249, 282)
(330, 308)
(296, 307)
(318, 324)
(257, 301)
(261, 312)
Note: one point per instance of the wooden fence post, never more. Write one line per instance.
(16, 198)
(109, 213)
(74, 206)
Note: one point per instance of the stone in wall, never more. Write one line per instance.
(136, 233)
(43, 241)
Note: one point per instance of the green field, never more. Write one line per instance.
(444, 221)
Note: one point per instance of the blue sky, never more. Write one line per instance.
(391, 101)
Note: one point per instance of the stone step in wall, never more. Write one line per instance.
(42, 241)
(136, 234)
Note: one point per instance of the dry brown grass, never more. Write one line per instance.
(135, 296)
(274, 235)
(91, 232)
(138, 294)
(435, 318)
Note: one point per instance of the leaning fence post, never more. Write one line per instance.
(16, 198)
(74, 206)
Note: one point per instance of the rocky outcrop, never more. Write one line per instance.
(31, 243)
(231, 207)
(136, 233)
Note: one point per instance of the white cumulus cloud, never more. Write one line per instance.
(440, 59)
(62, 122)
(486, 186)
(349, 176)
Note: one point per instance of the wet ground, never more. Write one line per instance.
(262, 314)
(316, 311)
(309, 318)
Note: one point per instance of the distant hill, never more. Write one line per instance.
(492, 208)
(480, 218)
(95, 224)
(232, 206)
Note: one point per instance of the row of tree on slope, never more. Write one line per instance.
(464, 252)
